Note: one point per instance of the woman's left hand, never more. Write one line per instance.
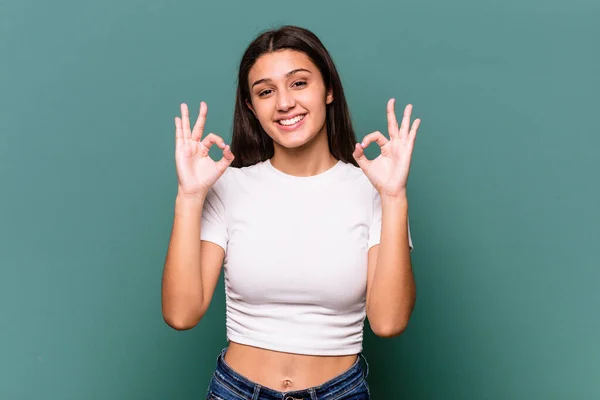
(389, 171)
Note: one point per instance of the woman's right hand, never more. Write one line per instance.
(196, 171)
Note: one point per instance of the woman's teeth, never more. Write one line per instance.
(291, 121)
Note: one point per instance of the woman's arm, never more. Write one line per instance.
(192, 266)
(391, 290)
(191, 269)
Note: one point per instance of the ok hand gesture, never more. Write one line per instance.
(389, 171)
(196, 171)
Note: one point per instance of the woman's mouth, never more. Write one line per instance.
(292, 123)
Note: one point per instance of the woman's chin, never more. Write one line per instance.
(292, 140)
(292, 144)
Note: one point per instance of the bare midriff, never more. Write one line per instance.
(285, 371)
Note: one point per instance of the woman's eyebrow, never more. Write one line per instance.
(292, 72)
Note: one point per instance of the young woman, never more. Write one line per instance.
(313, 236)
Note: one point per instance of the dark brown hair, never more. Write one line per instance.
(250, 143)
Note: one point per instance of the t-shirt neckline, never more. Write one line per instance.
(311, 178)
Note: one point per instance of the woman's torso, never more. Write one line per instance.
(295, 271)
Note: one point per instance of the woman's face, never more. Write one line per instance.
(288, 96)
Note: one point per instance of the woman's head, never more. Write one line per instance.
(287, 73)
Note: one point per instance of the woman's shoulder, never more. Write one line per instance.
(245, 172)
(234, 176)
(354, 175)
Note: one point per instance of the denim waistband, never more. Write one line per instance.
(329, 390)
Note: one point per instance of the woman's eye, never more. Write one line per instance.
(267, 92)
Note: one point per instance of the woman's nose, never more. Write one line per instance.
(285, 100)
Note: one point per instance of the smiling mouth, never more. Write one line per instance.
(291, 121)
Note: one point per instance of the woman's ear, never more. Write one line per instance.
(250, 107)
(329, 98)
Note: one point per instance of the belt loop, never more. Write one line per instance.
(367, 365)
(313, 394)
(221, 353)
(256, 392)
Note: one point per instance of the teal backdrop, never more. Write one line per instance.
(504, 188)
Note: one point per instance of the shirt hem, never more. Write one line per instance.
(345, 351)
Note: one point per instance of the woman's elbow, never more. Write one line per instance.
(389, 330)
(179, 324)
(182, 320)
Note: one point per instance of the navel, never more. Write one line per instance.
(287, 384)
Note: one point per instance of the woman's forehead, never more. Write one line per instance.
(276, 65)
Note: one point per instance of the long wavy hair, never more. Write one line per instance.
(250, 143)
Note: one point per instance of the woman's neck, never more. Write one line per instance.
(309, 159)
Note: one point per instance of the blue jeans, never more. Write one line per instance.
(227, 384)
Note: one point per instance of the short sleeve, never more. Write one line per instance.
(213, 226)
(375, 228)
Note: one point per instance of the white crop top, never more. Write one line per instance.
(296, 252)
